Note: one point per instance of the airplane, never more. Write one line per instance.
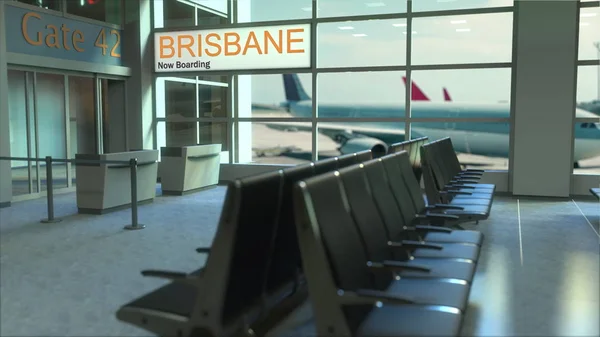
(418, 95)
(592, 106)
(486, 139)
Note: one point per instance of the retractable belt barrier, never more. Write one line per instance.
(132, 164)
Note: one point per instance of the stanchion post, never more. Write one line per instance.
(134, 214)
(49, 192)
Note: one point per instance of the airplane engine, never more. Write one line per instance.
(358, 144)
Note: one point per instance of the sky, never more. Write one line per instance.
(436, 40)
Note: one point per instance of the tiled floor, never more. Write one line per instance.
(538, 272)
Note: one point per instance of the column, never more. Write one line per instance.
(544, 97)
(138, 55)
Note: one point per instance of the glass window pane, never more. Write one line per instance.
(589, 34)
(194, 133)
(349, 137)
(588, 88)
(335, 8)
(273, 98)
(47, 4)
(174, 14)
(275, 142)
(361, 43)
(479, 145)
(50, 106)
(361, 94)
(440, 5)
(475, 38)
(102, 10)
(586, 150)
(180, 98)
(473, 93)
(204, 17)
(273, 10)
(21, 129)
(213, 100)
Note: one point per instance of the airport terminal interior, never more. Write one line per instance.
(291, 168)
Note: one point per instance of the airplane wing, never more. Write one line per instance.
(341, 131)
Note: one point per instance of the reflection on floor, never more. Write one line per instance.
(538, 275)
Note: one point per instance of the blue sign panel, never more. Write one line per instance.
(43, 34)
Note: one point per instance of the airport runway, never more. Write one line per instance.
(294, 147)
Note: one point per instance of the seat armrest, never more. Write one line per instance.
(171, 275)
(410, 244)
(463, 181)
(459, 186)
(396, 266)
(438, 229)
(455, 192)
(439, 216)
(370, 296)
(468, 173)
(203, 250)
(444, 206)
(474, 170)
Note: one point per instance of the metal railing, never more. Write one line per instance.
(132, 164)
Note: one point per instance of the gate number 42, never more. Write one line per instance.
(101, 42)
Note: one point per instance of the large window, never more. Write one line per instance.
(587, 115)
(338, 8)
(589, 33)
(273, 10)
(275, 142)
(361, 43)
(475, 38)
(440, 5)
(587, 126)
(361, 95)
(357, 96)
(193, 111)
(188, 13)
(482, 145)
(278, 96)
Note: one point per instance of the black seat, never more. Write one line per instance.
(396, 166)
(436, 184)
(286, 261)
(346, 160)
(371, 224)
(452, 162)
(363, 156)
(447, 177)
(419, 207)
(326, 165)
(231, 290)
(344, 285)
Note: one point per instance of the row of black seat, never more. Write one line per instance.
(369, 270)
(255, 273)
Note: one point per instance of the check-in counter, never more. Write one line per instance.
(102, 188)
(189, 168)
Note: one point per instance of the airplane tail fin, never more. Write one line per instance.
(416, 93)
(294, 91)
(447, 97)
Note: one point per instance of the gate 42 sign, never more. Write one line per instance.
(44, 34)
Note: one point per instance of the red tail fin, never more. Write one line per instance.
(447, 96)
(416, 92)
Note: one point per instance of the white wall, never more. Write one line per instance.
(544, 97)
